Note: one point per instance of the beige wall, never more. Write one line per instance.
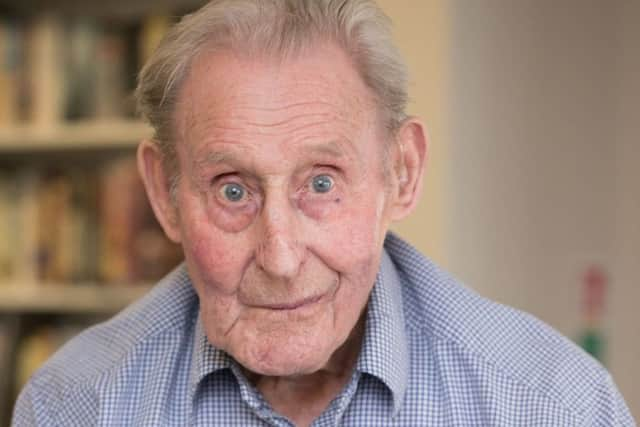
(544, 161)
(625, 315)
(421, 29)
(533, 110)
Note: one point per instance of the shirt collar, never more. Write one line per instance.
(205, 359)
(384, 351)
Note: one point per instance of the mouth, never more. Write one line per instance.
(292, 305)
(300, 303)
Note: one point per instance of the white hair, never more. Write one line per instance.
(278, 28)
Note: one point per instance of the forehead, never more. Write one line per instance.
(249, 103)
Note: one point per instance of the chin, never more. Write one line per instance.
(284, 356)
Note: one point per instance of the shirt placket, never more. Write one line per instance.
(332, 416)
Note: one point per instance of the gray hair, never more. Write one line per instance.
(278, 28)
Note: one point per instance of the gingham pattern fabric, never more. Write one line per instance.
(434, 354)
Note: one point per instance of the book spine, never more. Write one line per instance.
(110, 79)
(6, 267)
(10, 38)
(24, 222)
(154, 28)
(45, 58)
(81, 68)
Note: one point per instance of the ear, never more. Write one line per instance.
(410, 155)
(156, 182)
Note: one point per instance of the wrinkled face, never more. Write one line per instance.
(282, 204)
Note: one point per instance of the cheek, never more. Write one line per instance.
(322, 209)
(215, 257)
(232, 220)
(351, 240)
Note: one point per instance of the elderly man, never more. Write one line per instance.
(281, 155)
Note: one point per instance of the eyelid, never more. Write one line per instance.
(330, 170)
(328, 175)
(231, 178)
(328, 166)
(221, 176)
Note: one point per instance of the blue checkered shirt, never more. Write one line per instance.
(434, 354)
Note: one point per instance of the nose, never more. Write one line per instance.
(279, 251)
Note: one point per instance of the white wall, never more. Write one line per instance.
(544, 160)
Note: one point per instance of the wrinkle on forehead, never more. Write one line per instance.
(332, 148)
(236, 117)
(258, 164)
(280, 97)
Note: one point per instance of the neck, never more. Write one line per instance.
(303, 398)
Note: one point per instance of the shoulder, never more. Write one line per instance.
(467, 332)
(151, 324)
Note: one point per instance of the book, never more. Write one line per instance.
(52, 225)
(45, 66)
(68, 225)
(10, 39)
(84, 226)
(6, 258)
(154, 27)
(9, 331)
(133, 246)
(110, 81)
(22, 226)
(81, 66)
(118, 189)
(55, 70)
(67, 245)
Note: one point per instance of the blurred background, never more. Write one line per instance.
(532, 193)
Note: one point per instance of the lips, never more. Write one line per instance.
(293, 304)
(290, 304)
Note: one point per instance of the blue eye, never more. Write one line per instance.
(322, 183)
(233, 192)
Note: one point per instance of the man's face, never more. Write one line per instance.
(282, 204)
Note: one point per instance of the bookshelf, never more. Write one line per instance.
(38, 316)
(113, 134)
(62, 299)
(80, 242)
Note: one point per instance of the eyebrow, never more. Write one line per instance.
(217, 157)
(333, 149)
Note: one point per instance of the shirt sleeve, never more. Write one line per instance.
(608, 408)
(31, 410)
